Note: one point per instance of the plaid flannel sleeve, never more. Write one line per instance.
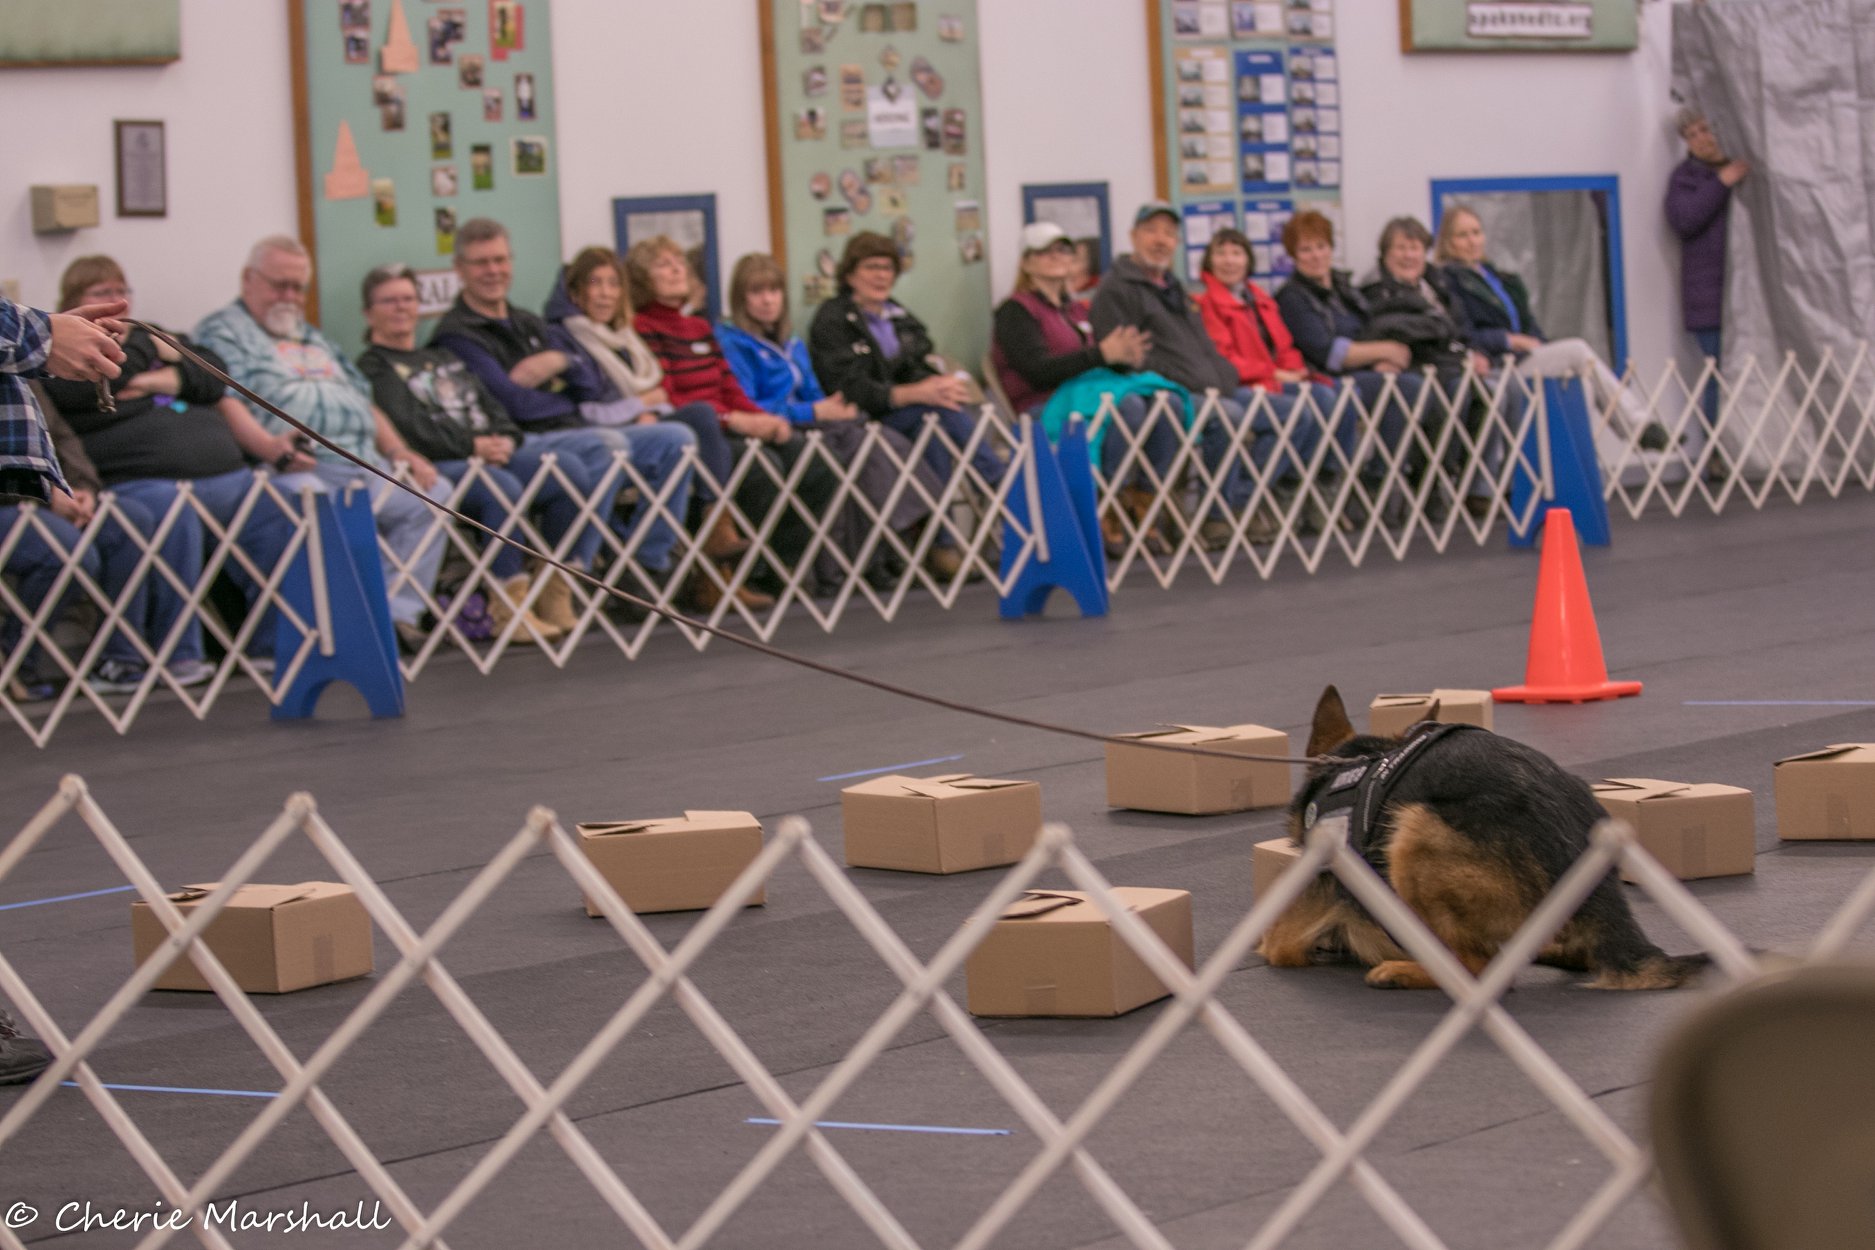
(28, 466)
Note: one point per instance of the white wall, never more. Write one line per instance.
(661, 98)
(228, 105)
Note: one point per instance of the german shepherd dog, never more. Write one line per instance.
(1474, 832)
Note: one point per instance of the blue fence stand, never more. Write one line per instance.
(1576, 475)
(363, 644)
(1066, 514)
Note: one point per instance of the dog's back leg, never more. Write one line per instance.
(1471, 901)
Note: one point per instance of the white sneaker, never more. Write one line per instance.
(191, 672)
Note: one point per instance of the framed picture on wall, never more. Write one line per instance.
(142, 170)
(689, 220)
(1519, 25)
(1080, 208)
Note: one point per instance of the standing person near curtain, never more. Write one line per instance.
(1504, 323)
(1699, 200)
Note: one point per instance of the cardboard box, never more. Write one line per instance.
(951, 823)
(1389, 715)
(272, 939)
(1268, 861)
(674, 863)
(65, 207)
(1196, 785)
(1827, 795)
(1694, 830)
(1054, 953)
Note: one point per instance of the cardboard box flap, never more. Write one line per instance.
(263, 897)
(614, 828)
(714, 821)
(1189, 733)
(986, 783)
(1834, 751)
(1402, 700)
(1641, 788)
(1039, 903)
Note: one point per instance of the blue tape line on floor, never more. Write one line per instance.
(890, 768)
(66, 898)
(896, 1128)
(1779, 703)
(181, 1089)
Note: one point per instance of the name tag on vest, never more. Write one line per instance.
(700, 348)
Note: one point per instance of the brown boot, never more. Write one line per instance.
(1138, 504)
(724, 541)
(1113, 533)
(703, 593)
(554, 604)
(503, 600)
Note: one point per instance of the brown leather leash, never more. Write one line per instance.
(751, 644)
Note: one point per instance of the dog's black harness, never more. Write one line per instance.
(1362, 787)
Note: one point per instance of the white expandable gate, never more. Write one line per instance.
(1476, 1004)
(1286, 480)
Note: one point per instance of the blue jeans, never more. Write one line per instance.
(110, 560)
(263, 536)
(957, 426)
(404, 523)
(585, 456)
(491, 501)
(657, 452)
(1156, 445)
(715, 451)
(1710, 342)
(1391, 421)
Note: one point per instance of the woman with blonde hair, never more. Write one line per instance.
(1498, 303)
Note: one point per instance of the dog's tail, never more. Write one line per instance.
(1654, 970)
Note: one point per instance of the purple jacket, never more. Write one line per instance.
(1696, 209)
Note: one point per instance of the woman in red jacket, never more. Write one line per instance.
(1248, 329)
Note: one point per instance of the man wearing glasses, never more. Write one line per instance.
(270, 349)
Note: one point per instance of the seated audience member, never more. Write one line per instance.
(1248, 329)
(555, 393)
(1050, 365)
(1140, 290)
(662, 280)
(37, 561)
(1498, 304)
(595, 310)
(1084, 273)
(269, 348)
(172, 422)
(772, 365)
(1416, 304)
(445, 413)
(1327, 320)
(872, 350)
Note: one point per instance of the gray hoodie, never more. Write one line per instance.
(1181, 348)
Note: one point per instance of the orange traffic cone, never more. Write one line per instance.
(1565, 664)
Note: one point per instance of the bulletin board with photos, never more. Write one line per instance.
(875, 122)
(413, 116)
(1248, 101)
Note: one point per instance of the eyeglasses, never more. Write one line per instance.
(878, 265)
(106, 293)
(393, 300)
(282, 286)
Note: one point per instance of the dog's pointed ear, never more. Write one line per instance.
(1431, 712)
(1331, 727)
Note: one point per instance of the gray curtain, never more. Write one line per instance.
(1789, 85)
(1545, 236)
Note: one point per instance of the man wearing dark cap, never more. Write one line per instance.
(1141, 290)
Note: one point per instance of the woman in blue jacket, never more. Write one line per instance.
(771, 363)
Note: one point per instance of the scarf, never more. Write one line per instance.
(624, 357)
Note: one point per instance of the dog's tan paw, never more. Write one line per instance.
(1283, 954)
(1400, 974)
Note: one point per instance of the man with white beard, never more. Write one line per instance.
(270, 349)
